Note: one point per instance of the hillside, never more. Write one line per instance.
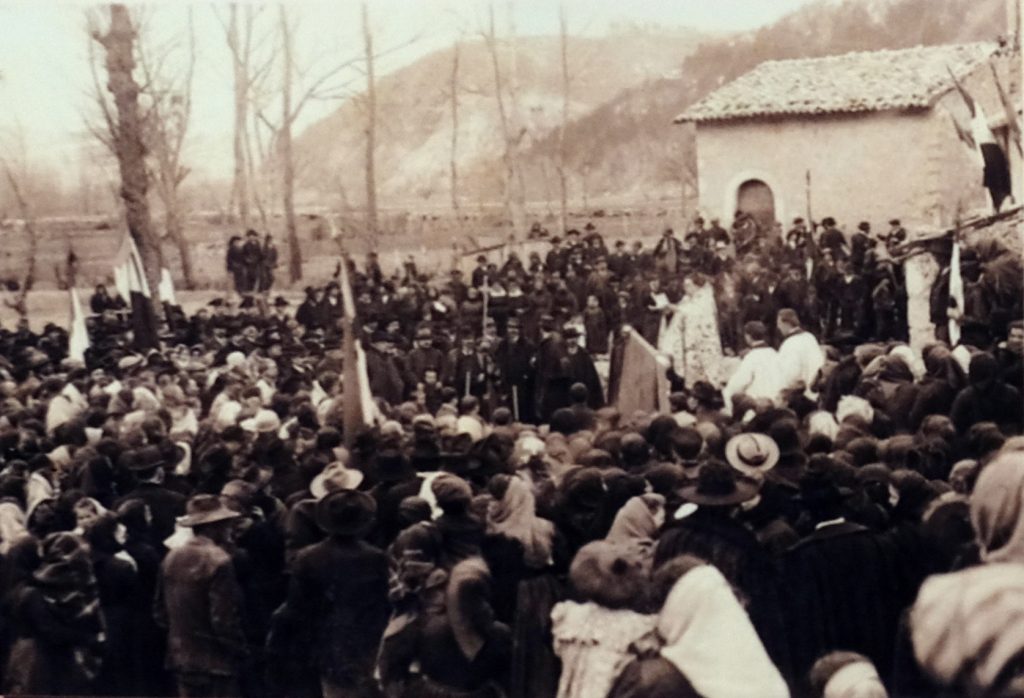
(626, 89)
(629, 146)
(415, 125)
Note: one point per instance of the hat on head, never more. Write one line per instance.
(206, 509)
(280, 302)
(265, 422)
(571, 332)
(864, 226)
(145, 458)
(451, 491)
(752, 453)
(333, 478)
(346, 513)
(719, 485)
(130, 362)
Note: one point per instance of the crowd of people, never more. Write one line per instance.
(823, 510)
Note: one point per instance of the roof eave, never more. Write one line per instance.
(782, 115)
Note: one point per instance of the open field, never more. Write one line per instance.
(436, 240)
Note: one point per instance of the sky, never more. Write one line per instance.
(46, 83)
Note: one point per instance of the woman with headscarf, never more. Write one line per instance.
(639, 522)
(942, 381)
(461, 531)
(581, 507)
(966, 627)
(710, 647)
(525, 553)
(59, 624)
(460, 649)
(893, 390)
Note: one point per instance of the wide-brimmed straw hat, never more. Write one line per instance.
(752, 453)
(333, 478)
(206, 509)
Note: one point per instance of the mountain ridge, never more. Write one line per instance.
(627, 88)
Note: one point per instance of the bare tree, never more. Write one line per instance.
(293, 100)
(286, 149)
(563, 188)
(453, 162)
(28, 224)
(371, 126)
(239, 31)
(249, 71)
(512, 132)
(127, 137)
(166, 126)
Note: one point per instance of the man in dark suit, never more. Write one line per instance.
(424, 356)
(200, 603)
(514, 363)
(339, 592)
(466, 368)
(832, 238)
(621, 262)
(164, 504)
(550, 388)
(580, 369)
(840, 584)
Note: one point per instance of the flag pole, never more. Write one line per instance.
(353, 419)
(807, 194)
(487, 297)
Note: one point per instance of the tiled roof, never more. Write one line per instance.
(853, 82)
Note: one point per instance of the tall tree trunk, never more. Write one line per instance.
(20, 303)
(287, 156)
(131, 153)
(240, 62)
(518, 127)
(454, 165)
(175, 229)
(563, 188)
(371, 128)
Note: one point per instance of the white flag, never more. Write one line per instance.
(166, 290)
(955, 311)
(78, 334)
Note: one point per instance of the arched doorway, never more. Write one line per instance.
(756, 198)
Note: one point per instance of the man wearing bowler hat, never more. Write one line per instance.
(339, 593)
(200, 603)
(147, 467)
